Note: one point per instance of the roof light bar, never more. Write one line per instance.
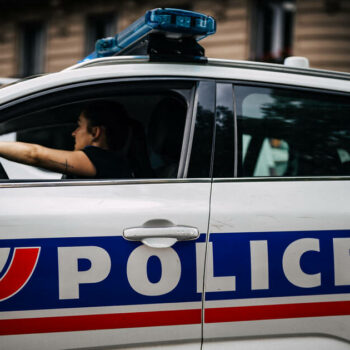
(172, 24)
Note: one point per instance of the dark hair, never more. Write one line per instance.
(113, 116)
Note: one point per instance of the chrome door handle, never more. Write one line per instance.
(161, 237)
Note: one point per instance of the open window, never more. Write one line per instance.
(159, 116)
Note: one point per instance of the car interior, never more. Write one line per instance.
(156, 126)
(288, 133)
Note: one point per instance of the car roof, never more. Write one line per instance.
(7, 80)
(223, 63)
(141, 66)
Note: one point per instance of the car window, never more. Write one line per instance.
(156, 126)
(286, 132)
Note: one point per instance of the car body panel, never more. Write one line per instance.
(88, 222)
(252, 237)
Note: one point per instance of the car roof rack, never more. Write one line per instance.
(165, 34)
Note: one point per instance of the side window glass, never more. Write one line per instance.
(154, 128)
(286, 132)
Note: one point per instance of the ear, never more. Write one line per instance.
(96, 132)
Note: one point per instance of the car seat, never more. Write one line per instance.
(136, 151)
(165, 135)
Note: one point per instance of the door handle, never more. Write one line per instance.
(160, 237)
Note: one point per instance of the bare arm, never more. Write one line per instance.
(66, 162)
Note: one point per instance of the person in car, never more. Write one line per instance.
(100, 139)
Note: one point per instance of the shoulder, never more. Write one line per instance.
(108, 164)
(100, 153)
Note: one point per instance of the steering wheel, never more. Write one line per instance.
(3, 174)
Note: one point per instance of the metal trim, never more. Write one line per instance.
(235, 131)
(188, 135)
(102, 61)
(266, 84)
(192, 121)
(283, 179)
(213, 136)
(69, 183)
(271, 67)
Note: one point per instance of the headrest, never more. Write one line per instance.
(167, 126)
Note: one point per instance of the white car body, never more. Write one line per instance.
(5, 81)
(244, 283)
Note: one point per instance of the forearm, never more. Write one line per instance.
(72, 162)
(21, 152)
(36, 155)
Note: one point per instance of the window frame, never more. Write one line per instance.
(35, 102)
(236, 164)
(219, 147)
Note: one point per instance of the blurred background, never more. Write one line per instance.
(40, 36)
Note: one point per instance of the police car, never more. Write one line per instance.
(234, 232)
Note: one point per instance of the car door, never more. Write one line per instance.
(108, 263)
(277, 266)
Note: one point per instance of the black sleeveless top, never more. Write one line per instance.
(108, 165)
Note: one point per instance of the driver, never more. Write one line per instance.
(100, 136)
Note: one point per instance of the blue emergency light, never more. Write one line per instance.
(160, 33)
